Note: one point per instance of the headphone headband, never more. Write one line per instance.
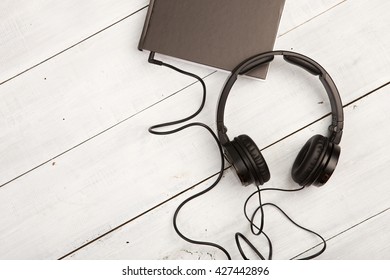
(335, 129)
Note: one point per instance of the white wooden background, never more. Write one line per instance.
(81, 178)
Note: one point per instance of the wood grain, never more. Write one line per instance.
(81, 119)
(368, 241)
(357, 191)
(33, 32)
(87, 90)
(79, 94)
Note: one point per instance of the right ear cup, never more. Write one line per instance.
(315, 162)
(308, 159)
(248, 161)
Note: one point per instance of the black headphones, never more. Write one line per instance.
(317, 159)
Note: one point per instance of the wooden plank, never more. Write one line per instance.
(86, 178)
(293, 17)
(130, 164)
(79, 94)
(346, 50)
(39, 30)
(86, 90)
(367, 241)
(357, 190)
(31, 32)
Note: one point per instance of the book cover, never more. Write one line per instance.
(217, 33)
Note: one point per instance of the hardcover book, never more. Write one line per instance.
(217, 33)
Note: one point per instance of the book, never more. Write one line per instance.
(217, 33)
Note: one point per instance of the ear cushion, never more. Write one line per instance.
(308, 159)
(234, 158)
(260, 164)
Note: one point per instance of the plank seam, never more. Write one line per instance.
(323, 117)
(138, 216)
(72, 46)
(101, 132)
(312, 18)
(215, 174)
(344, 231)
(107, 129)
(124, 18)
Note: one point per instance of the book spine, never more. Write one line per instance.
(146, 25)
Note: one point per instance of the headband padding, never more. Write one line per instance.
(260, 164)
(308, 159)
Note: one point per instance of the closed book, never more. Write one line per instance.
(217, 33)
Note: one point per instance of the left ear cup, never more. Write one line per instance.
(234, 158)
(315, 162)
(254, 159)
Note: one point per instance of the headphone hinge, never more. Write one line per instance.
(336, 135)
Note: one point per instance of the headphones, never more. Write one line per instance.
(317, 159)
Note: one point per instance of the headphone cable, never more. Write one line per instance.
(152, 130)
(261, 226)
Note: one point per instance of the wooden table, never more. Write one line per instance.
(81, 177)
